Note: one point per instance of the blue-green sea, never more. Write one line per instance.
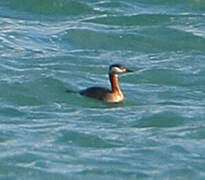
(49, 47)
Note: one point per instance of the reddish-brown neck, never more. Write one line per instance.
(114, 83)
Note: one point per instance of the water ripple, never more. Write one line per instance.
(50, 47)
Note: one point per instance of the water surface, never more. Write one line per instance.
(50, 46)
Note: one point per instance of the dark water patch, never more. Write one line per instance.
(36, 92)
(113, 173)
(18, 94)
(163, 77)
(11, 112)
(162, 120)
(172, 78)
(104, 41)
(174, 40)
(50, 7)
(134, 20)
(174, 3)
(180, 173)
(154, 39)
(84, 140)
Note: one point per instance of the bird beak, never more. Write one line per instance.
(128, 70)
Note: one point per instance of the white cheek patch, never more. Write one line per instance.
(117, 70)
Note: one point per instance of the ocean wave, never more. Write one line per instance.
(50, 7)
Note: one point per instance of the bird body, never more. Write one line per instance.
(113, 95)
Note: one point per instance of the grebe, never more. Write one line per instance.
(115, 95)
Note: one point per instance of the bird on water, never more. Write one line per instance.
(113, 95)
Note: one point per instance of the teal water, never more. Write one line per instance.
(49, 46)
